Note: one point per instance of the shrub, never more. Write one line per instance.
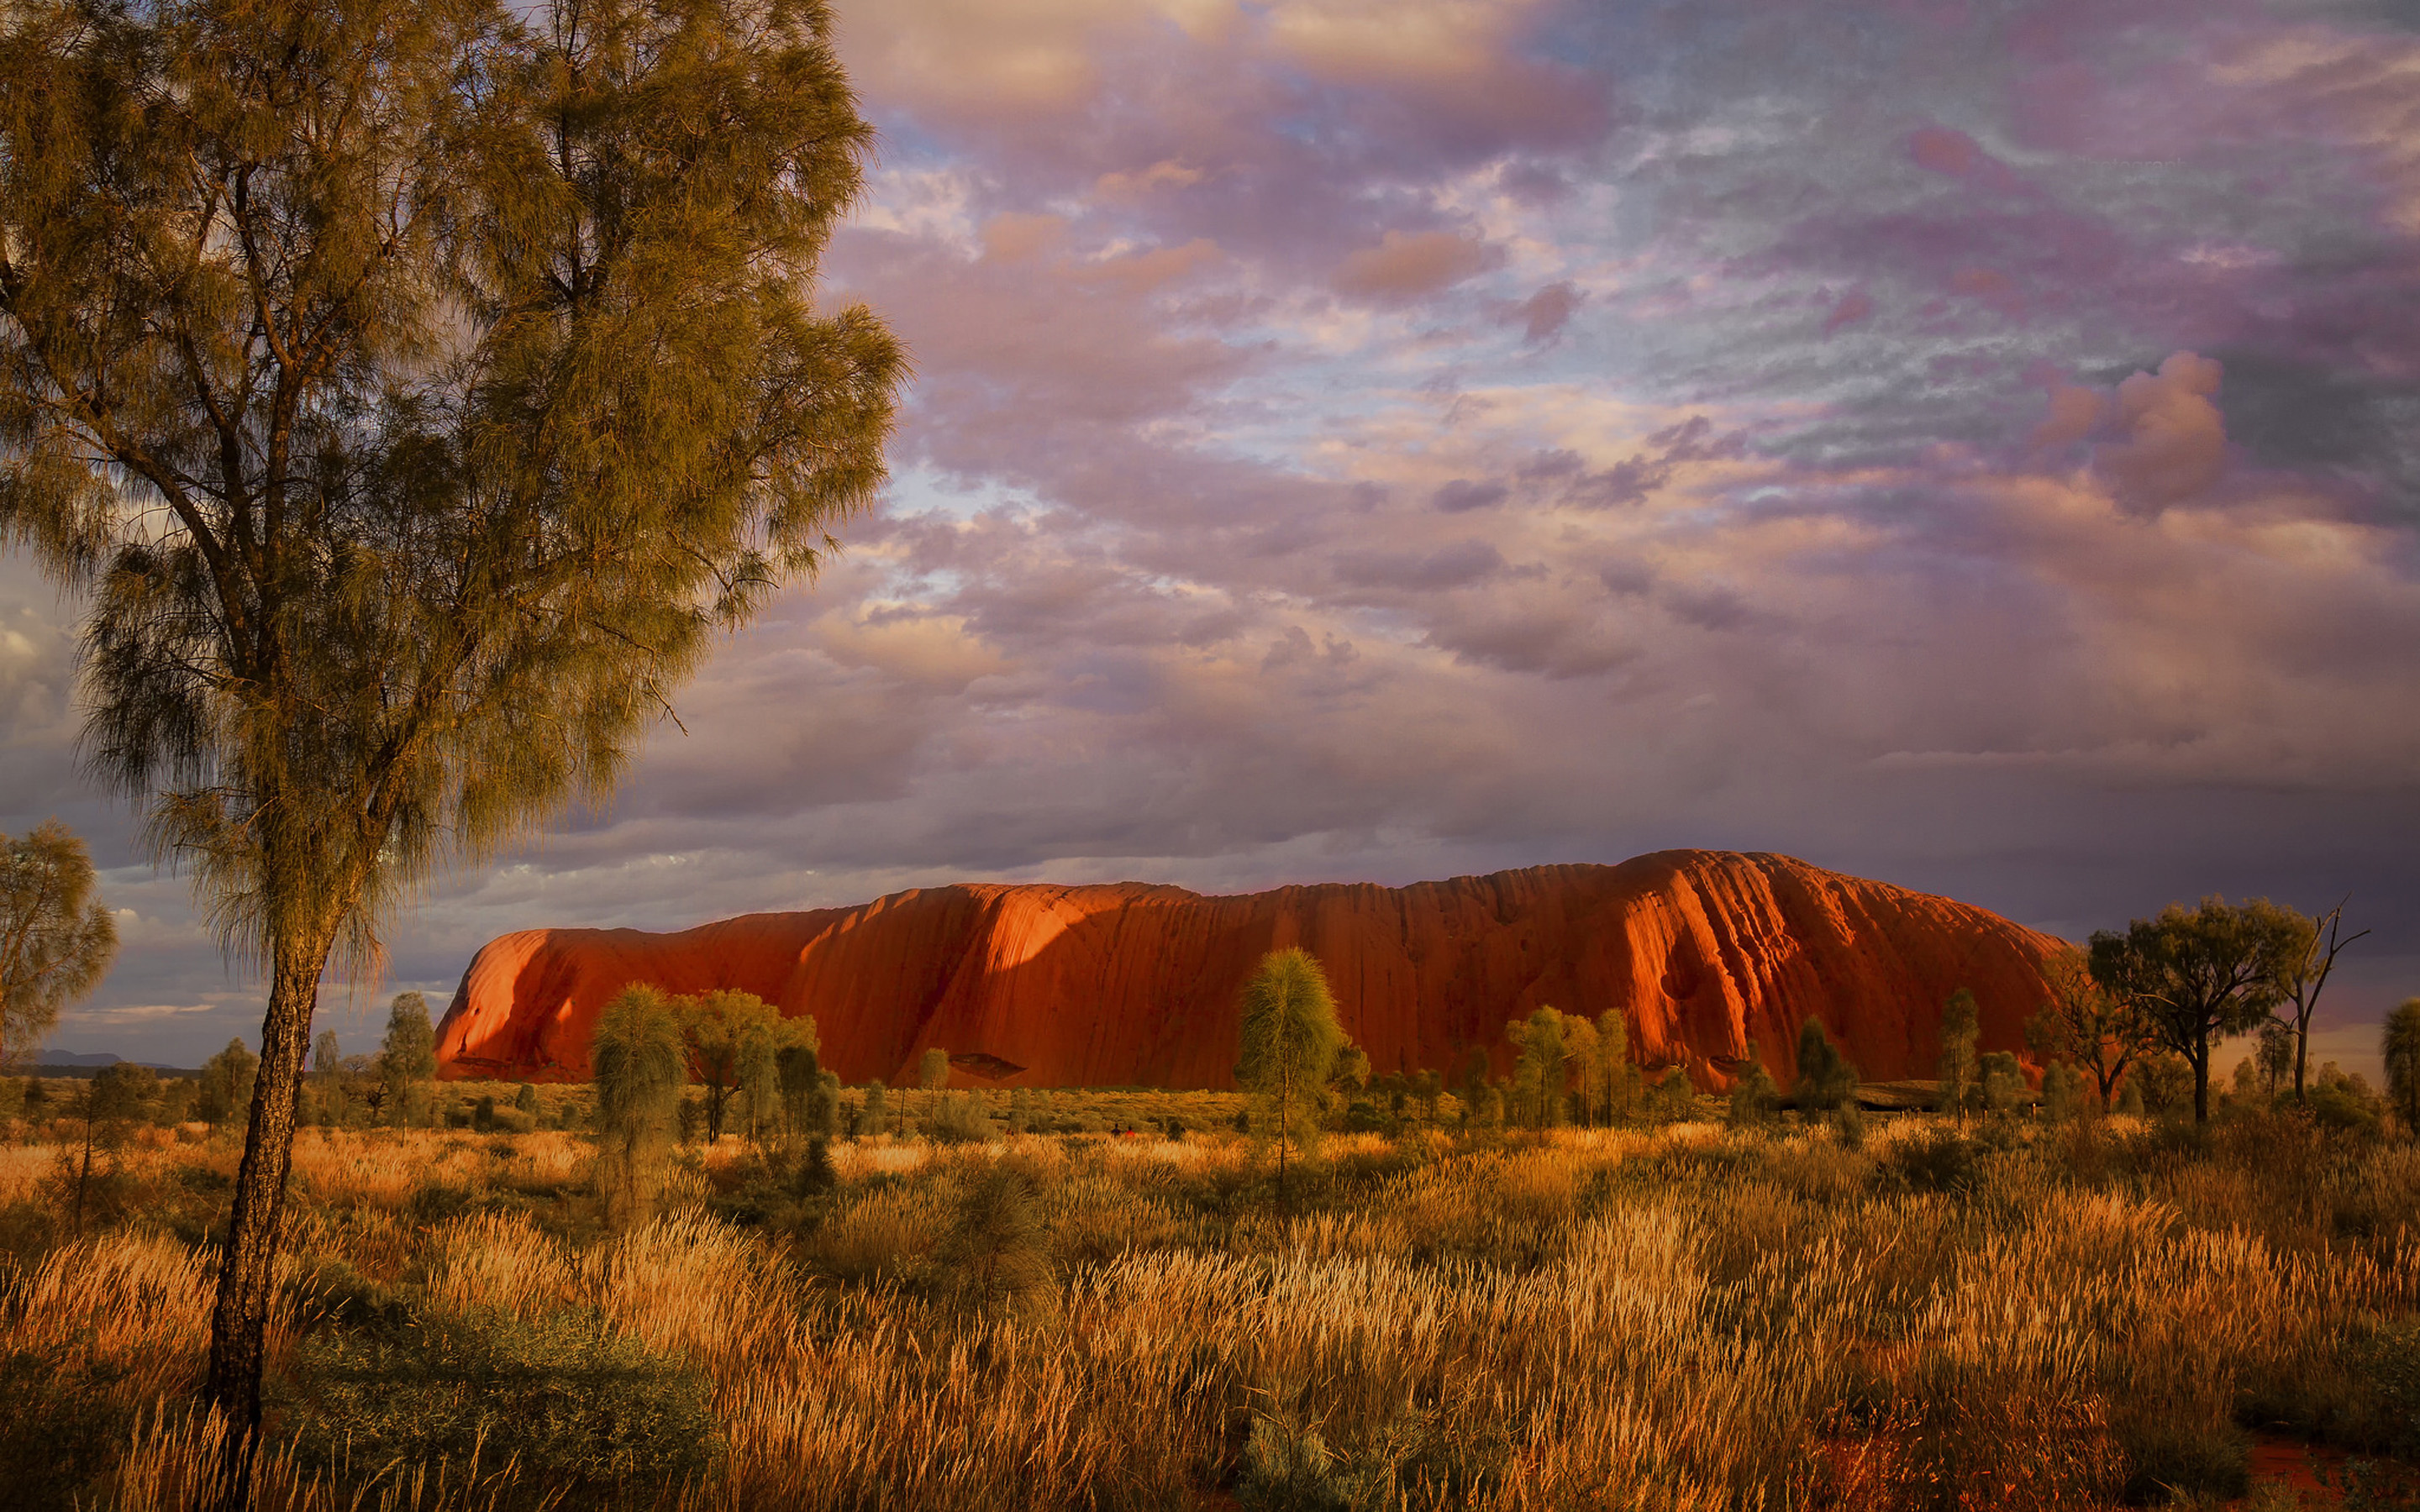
(2062, 1091)
(956, 1118)
(1289, 1469)
(1755, 1099)
(1939, 1160)
(1826, 1078)
(582, 1407)
(996, 1252)
(2003, 1082)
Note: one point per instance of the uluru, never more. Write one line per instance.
(1131, 984)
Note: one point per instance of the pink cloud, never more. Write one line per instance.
(2174, 443)
(1403, 267)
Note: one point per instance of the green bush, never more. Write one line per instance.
(581, 1408)
(956, 1118)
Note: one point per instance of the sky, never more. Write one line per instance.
(1974, 445)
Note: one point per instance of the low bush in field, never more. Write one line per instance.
(570, 1401)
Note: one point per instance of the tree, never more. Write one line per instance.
(1755, 1099)
(228, 1080)
(1428, 1085)
(2001, 1079)
(1472, 1084)
(2313, 959)
(1538, 1072)
(2062, 1089)
(1826, 1078)
(1586, 1056)
(2084, 1023)
(734, 1040)
(408, 1058)
(641, 1064)
(2274, 1057)
(870, 1122)
(1623, 1082)
(933, 1071)
(1290, 1039)
(2399, 1047)
(412, 392)
(1960, 1026)
(2203, 973)
(799, 1075)
(1350, 1072)
(57, 938)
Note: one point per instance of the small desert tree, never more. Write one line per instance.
(735, 1041)
(1826, 1078)
(641, 1064)
(2001, 1080)
(2084, 1023)
(877, 1108)
(1754, 1097)
(933, 1072)
(2062, 1090)
(2399, 1047)
(2312, 959)
(408, 1058)
(2204, 973)
(1289, 1043)
(1960, 1025)
(1539, 1072)
(226, 1083)
(1586, 1056)
(1471, 1085)
(1623, 1080)
(798, 1073)
(57, 938)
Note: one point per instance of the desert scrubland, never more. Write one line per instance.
(1908, 1312)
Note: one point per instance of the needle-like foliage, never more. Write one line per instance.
(409, 392)
(1290, 1040)
(641, 1063)
(57, 938)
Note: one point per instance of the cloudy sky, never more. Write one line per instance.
(1975, 445)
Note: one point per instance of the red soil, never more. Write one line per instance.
(1129, 984)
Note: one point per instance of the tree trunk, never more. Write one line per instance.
(2302, 1045)
(2201, 1080)
(247, 1267)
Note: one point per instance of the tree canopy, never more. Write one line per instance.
(2203, 973)
(410, 392)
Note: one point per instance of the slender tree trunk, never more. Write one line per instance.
(247, 1268)
(2302, 1044)
(2201, 1079)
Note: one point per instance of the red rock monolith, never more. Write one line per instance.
(1128, 984)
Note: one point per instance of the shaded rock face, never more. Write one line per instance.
(1128, 984)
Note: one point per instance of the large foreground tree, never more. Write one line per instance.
(409, 392)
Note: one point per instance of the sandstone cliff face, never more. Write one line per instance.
(1130, 984)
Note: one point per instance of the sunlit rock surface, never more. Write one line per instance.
(1131, 984)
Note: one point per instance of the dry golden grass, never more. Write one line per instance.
(1674, 1317)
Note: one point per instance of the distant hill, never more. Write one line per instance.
(1704, 953)
(81, 1063)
